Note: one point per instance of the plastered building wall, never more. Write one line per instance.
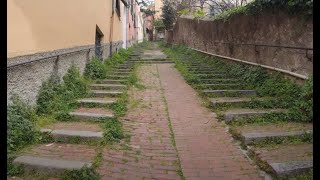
(41, 25)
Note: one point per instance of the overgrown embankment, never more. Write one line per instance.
(237, 32)
(297, 98)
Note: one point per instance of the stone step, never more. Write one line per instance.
(201, 68)
(250, 133)
(101, 101)
(284, 160)
(232, 100)
(64, 134)
(207, 71)
(205, 76)
(89, 116)
(234, 114)
(154, 62)
(121, 72)
(117, 76)
(210, 74)
(291, 168)
(227, 92)
(249, 138)
(148, 59)
(229, 85)
(49, 165)
(113, 81)
(104, 93)
(107, 86)
(218, 80)
(129, 66)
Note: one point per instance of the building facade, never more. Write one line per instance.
(46, 37)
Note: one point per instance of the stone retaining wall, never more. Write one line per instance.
(26, 80)
(214, 36)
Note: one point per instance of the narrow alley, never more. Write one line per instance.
(170, 132)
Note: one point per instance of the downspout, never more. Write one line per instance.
(111, 29)
(124, 27)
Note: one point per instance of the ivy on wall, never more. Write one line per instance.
(303, 7)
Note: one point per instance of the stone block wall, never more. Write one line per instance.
(214, 36)
(26, 80)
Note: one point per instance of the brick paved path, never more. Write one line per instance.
(151, 154)
(205, 148)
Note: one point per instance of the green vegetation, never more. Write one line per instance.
(95, 69)
(84, 174)
(56, 97)
(113, 131)
(199, 13)
(257, 6)
(158, 25)
(20, 125)
(183, 11)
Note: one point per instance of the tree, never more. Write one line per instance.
(169, 13)
(214, 6)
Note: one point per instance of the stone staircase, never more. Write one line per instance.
(230, 98)
(71, 148)
(151, 55)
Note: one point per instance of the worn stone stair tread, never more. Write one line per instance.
(120, 73)
(221, 79)
(118, 76)
(61, 133)
(106, 92)
(232, 114)
(113, 80)
(208, 71)
(260, 136)
(97, 100)
(211, 74)
(50, 164)
(222, 100)
(222, 84)
(292, 167)
(146, 62)
(91, 115)
(109, 85)
(226, 91)
(122, 70)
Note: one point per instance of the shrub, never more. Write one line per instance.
(57, 97)
(84, 173)
(303, 107)
(95, 69)
(47, 93)
(20, 125)
(73, 82)
(113, 131)
(304, 7)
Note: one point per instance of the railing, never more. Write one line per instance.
(261, 65)
(269, 45)
(52, 56)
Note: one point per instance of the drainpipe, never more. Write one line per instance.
(111, 29)
(124, 27)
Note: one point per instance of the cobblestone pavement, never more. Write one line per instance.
(205, 149)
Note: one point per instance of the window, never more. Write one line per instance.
(118, 7)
